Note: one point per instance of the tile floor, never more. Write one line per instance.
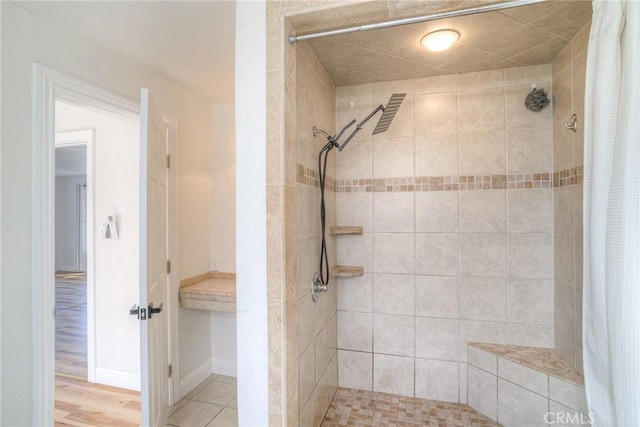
(352, 407)
(212, 404)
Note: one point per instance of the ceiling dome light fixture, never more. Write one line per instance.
(437, 41)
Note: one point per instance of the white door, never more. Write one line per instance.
(154, 368)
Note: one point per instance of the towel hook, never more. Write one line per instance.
(574, 123)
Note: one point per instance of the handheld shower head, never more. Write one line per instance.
(389, 113)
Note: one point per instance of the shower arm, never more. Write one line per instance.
(333, 140)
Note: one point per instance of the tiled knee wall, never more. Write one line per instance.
(516, 395)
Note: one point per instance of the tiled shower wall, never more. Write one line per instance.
(457, 208)
(568, 84)
(317, 358)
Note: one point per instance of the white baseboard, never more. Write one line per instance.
(191, 380)
(224, 367)
(117, 378)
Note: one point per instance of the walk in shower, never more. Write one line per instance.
(459, 224)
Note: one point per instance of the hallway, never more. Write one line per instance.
(71, 324)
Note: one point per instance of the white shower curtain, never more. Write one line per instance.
(611, 307)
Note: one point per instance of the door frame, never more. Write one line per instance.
(49, 85)
(85, 137)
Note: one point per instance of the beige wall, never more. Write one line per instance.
(446, 261)
(302, 335)
(318, 364)
(568, 84)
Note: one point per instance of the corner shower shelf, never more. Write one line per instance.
(347, 271)
(340, 230)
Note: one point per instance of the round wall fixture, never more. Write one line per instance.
(437, 41)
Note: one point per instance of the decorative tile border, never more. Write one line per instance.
(309, 177)
(571, 176)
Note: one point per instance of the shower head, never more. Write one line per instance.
(389, 113)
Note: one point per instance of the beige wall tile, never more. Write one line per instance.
(480, 79)
(393, 213)
(565, 347)
(462, 393)
(436, 113)
(392, 157)
(349, 109)
(393, 374)
(577, 210)
(563, 211)
(483, 299)
(355, 331)
(306, 322)
(436, 154)
(323, 353)
(482, 392)
(577, 301)
(482, 153)
(308, 256)
(562, 107)
(483, 255)
(478, 331)
(355, 293)
(394, 253)
(356, 250)
(529, 301)
(393, 335)
(518, 406)
(530, 256)
(437, 296)
(436, 212)
(307, 376)
(564, 256)
(579, 67)
(481, 110)
(386, 89)
(557, 410)
(483, 211)
(437, 338)
(523, 376)
(578, 139)
(530, 335)
(578, 264)
(530, 211)
(308, 202)
(482, 359)
(567, 394)
(355, 209)
(355, 369)
(354, 92)
(446, 83)
(394, 294)
(535, 74)
(564, 310)
(530, 150)
(355, 161)
(518, 116)
(437, 380)
(437, 254)
(562, 148)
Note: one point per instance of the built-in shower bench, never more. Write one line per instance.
(210, 291)
(517, 385)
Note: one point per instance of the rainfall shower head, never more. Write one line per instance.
(389, 113)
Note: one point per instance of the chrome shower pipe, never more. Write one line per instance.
(415, 19)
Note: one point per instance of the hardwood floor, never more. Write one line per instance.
(78, 402)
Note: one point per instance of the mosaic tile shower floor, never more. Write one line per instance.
(352, 407)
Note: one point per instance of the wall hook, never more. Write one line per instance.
(574, 123)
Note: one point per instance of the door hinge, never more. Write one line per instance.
(170, 370)
(168, 161)
(168, 266)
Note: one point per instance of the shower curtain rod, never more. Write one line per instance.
(416, 19)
